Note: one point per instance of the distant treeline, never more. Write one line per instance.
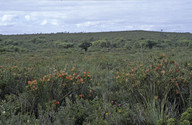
(124, 39)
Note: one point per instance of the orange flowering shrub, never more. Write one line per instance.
(163, 78)
(32, 85)
(14, 78)
(59, 85)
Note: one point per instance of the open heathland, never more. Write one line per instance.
(115, 78)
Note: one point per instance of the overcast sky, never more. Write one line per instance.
(51, 16)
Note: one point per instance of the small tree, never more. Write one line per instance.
(150, 44)
(85, 45)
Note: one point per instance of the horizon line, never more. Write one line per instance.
(67, 32)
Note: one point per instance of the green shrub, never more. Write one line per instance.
(155, 87)
(187, 115)
(160, 122)
(171, 121)
(66, 45)
(85, 45)
(185, 122)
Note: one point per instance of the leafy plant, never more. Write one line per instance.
(85, 45)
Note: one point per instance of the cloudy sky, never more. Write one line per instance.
(51, 16)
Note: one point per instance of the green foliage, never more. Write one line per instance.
(185, 122)
(160, 122)
(11, 46)
(184, 42)
(150, 44)
(66, 45)
(99, 43)
(112, 40)
(149, 85)
(85, 45)
(41, 92)
(171, 121)
(37, 41)
(187, 115)
(120, 81)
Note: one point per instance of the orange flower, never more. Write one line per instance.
(34, 87)
(176, 84)
(81, 80)
(89, 94)
(80, 95)
(84, 72)
(55, 108)
(162, 55)
(77, 77)
(132, 75)
(35, 82)
(31, 68)
(67, 77)
(147, 70)
(89, 76)
(156, 68)
(118, 77)
(29, 82)
(57, 103)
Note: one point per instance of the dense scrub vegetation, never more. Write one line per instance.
(127, 39)
(123, 78)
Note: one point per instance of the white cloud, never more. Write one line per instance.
(54, 22)
(94, 15)
(27, 17)
(44, 22)
(6, 24)
(145, 27)
(88, 24)
(6, 18)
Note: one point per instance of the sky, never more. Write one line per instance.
(52, 16)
